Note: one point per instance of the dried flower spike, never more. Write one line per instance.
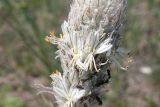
(91, 43)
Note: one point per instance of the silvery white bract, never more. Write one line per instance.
(89, 36)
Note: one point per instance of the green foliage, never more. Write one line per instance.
(131, 3)
(155, 75)
(13, 102)
(120, 103)
(30, 22)
(23, 26)
(4, 90)
(151, 103)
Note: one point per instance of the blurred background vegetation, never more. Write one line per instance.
(26, 58)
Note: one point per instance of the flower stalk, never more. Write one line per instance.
(88, 45)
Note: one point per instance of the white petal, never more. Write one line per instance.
(81, 65)
(103, 48)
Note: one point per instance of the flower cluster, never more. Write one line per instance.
(64, 89)
(88, 44)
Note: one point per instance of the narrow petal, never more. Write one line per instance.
(103, 48)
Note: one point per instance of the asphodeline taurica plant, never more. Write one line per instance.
(88, 45)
